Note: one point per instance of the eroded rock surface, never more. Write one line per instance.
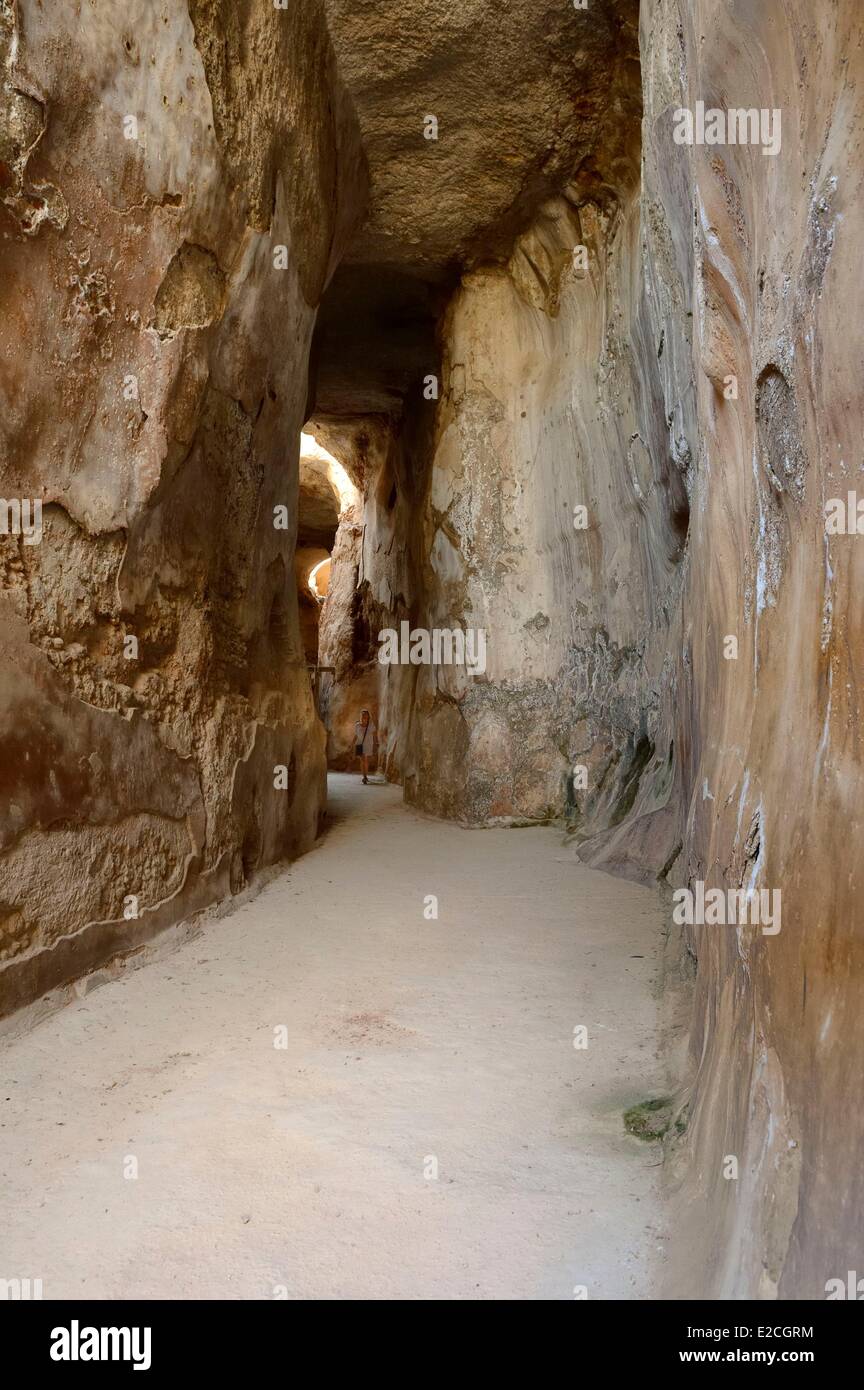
(763, 251)
(155, 343)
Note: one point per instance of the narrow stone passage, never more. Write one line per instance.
(306, 1170)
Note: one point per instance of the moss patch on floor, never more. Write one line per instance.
(654, 1119)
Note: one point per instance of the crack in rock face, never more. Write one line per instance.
(779, 434)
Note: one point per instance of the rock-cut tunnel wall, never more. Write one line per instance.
(179, 181)
(750, 258)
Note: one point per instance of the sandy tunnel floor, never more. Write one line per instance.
(306, 1170)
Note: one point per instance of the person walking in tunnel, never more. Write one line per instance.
(364, 741)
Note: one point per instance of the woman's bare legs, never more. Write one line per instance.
(364, 763)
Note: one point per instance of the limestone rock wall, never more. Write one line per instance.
(155, 343)
(763, 252)
(555, 522)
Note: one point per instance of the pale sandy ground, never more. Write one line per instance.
(303, 1168)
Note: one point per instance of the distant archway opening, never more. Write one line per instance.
(319, 579)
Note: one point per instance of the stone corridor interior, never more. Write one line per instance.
(419, 314)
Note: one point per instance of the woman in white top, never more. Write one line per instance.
(364, 741)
